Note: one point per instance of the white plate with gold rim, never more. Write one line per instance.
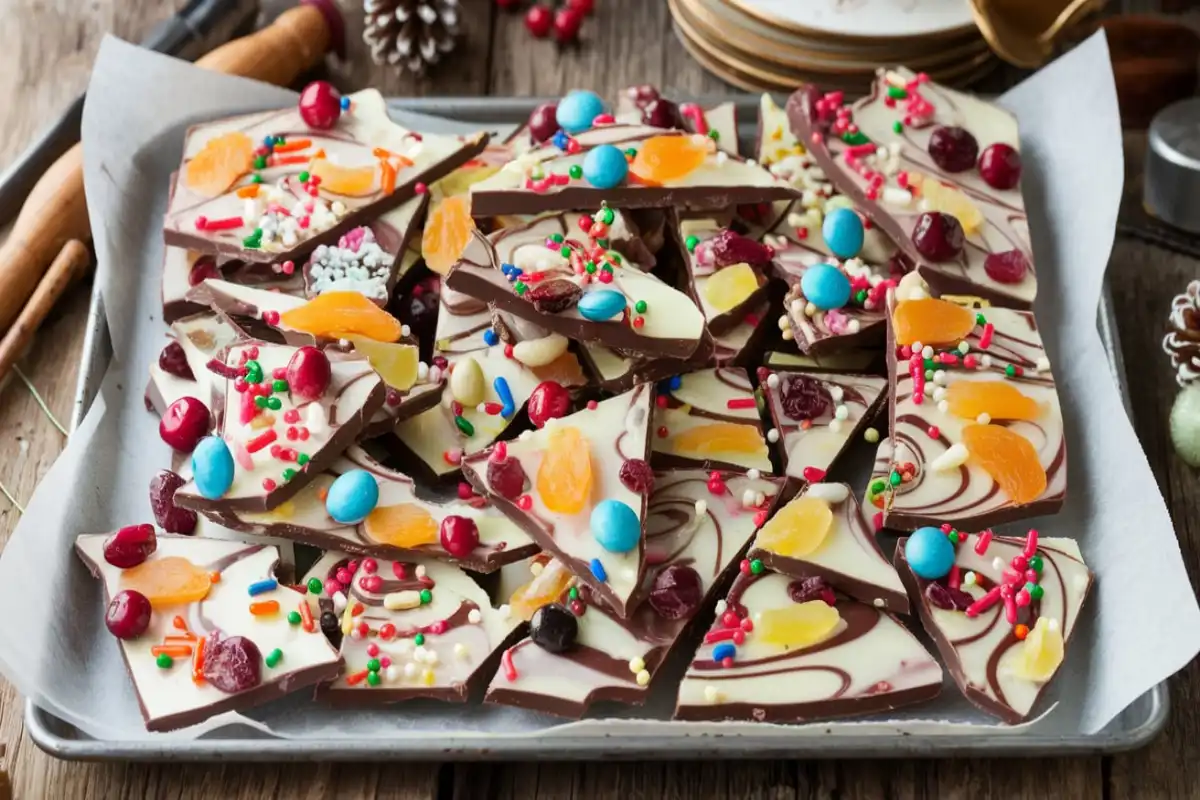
(862, 19)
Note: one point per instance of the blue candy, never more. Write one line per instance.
(508, 405)
(352, 497)
(616, 526)
(212, 467)
(601, 305)
(577, 110)
(490, 338)
(843, 232)
(825, 286)
(929, 553)
(598, 570)
(723, 651)
(605, 166)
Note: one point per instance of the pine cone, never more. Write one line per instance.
(1182, 343)
(410, 34)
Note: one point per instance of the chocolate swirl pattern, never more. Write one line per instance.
(712, 418)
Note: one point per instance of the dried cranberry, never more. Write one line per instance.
(937, 236)
(507, 478)
(205, 267)
(309, 373)
(642, 95)
(729, 247)
(662, 113)
(803, 590)
(130, 546)
(637, 476)
(548, 400)
(803, 397)
(553, 628)
(185, 424)
(1000, 166)
(232, 664)
(677, 592)
(459, 535)
(128, 615)
(173, 361)
(1007, 267)
(950, 599)
(554, 296)
(542, 122)
(170, 517)
(331, 626)
(953, 149)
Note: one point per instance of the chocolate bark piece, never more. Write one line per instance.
(606, 438)
(723, 302)
(994, 667)
(367, 165)
(305, 519)
(846, 556)
(719, 181)
(692, 539)
(181, 270)
(269, 467)
(432, 626)
(877, 485)
(718, 122)
(866, 662)
(1001, 378)
(168, 696)
(709, 418)
(888, 155)
(546, 288)
(817, 414)
(840, 361)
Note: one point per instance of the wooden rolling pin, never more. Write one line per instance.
(56, 210)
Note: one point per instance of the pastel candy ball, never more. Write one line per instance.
(616, 526)
(212, 467)
(577, 110)
(929, 553)
(825, 286)
(843, 232)
(601, 305)
(352, 497)
(1185, 425)
(605, 167)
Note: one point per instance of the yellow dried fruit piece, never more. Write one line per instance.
(168, 581)
(564, 478)
(949, 200)
(544, 588)
(931, 321)
(798, 529)
(447, 233)
(717, 439)
(798, 626)
(220, 164)
(403, 525)
(395, 363)
(1042, 652)
(346, 181)
(729, 287)
(997, 399)
(340, 315)
(1009, 458)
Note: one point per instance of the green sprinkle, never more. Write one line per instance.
(274, 657)
(260, 162)
(279, 138)
(573, 593)
(929, 363)
(419, 639)
(861, 296)
(426, 597)
(565, 252)
(877, 487)
(691, 243)
(256, 178)
(294, 618)
(164, 661)
(590, 267)
(715, 135)
(615, 256)
(304, 176)
(260, 402)
(302, 459)
(603, 243)
(465, 426)
(373, 665)
(520, 287)
(631, 152)
(1035, 564)
(315, 586)
(253, 241)
(279, 386)
(980, 319)
(289, 473)
(557, 238)
(897, 92)
(1035, 591)
(576, 172)
(274, 403)
(898, 126)
(607, 267)
(855, 138)
(894, 478)
(1010, 370)
(253, 367)
(756, 567)
(606, 213)
(953, 537)
(372, 679)
(640, 306)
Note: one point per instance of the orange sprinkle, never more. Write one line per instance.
(306, 617)
(250, 190)
(280, 161)
(172, 650)
(198, 661)
(215, 577)
(179, 623)
(357, 610)
(380, 152)
(389, 176)
(356, 678)
(186, 638)
(322, 493)
(292, 145)
(320, 153)
(806, 424)
(264, 607)
(1021, 631)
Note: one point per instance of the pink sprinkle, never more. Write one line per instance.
(603, 119)
(289, 267)
(370, 565)
(399, 571)
(1031, 542)
(464, 491)
(438, 627)
(525, 502)
(985, 539)
(933, 432)
(268, 485)
(591, 404)
(271, 317)
(453, 456)
(954, 579)
(506, 661)
(303, 222)
(344, 576)
(420, 188)
(985, 341)
(384, 662)
(878, 520)
(372, 649)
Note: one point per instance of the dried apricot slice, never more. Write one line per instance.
(728, 288)
(168, 581)
(997, 399)
(395, 363)
(663, 159)
(931, 321)
(545, 587)
(799, 529)
(218, 166)
(343, 314)
(403, 525)
(564, 478)
(798, 626)
(719, 438)
(447, 233)
(1009, 458)
(346, 181)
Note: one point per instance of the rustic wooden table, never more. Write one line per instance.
(48, 46)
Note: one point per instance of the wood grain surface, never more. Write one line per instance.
(48, 46)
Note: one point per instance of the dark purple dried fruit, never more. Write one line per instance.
(662, 114)
(205, 267)
(637, 476)
(331, 626)
(232, 664)
(938, 237)
(944, 597)
(554, 296)
(173, 361)
(553, 628)
(803, 397)
(952, 148)
(506, 478)
(803, 590)
(729, 247)
(1011, 266)
(170, 517)
(677, 592)
(543, 122)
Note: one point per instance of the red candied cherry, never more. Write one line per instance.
(1000, 166)
(567, 22)
(185, 424)
(205, 267)
(539, 20)
(173, 361)
(952, 148)
(583, 7)
(662, 113)
(232, 664)
(937, 236)
(309, 373)
(543, 122)
(549, 400)
(1010, 266)
(506, 477)
(170, 517)
(128, 615)
(130, 546)
(459, 535)
(508, 5)
(320, 105)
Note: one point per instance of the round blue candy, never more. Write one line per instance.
(601, 305)
(843, 232)
(577, 110)
(212, 467)
(929, 553)
(723, 651)
(616, 526)
(352, 497)
(825, 286)
(605, 166)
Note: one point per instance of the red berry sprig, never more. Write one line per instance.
(564, 22)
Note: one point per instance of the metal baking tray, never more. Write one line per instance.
(1133, 728)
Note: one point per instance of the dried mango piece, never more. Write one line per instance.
(544, 588)
(220, 164)
(931, 321)
(1009, 458)
(798, 626)
(395, 363)
(564, 478)
(169, 581)
(341, 315)
(997, 399)
(938, 196)
(346, 181)
(798, 529)
(664, 159)
(719, 438)
(447, 233)
(403, 525)
(728, 288)
(1042, 652)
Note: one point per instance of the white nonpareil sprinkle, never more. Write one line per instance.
(504, 611)
(939, 394)
(939, 377)
(536, 568)
(339, 602)
(701, 508)
(748, 497)
(410, 670)
(984, 418)
(835, 425)
(772, 436)
(878, 602)
(773, 380)
(720, 607)
(986, 361)
(842, 412)
(753, 474)
(712, 694)
(998, 564)
(926, 352)
(943, 406)
(474, 617)
(391, 674)
(1042, 365)
(837, 393)
(955, 456)
(461, 652)
(420, 570)
(643, 678)
(636, 664)
(871, 435)
(969, 579)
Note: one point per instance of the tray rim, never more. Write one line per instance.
(53, 735)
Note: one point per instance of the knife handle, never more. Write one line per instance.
(56, 211)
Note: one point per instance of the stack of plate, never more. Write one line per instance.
(778, 44)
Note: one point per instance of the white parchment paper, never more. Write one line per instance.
(1140, 625)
